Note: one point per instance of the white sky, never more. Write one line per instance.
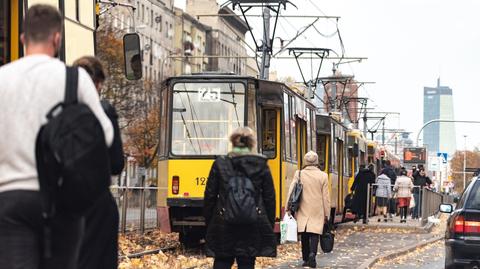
(409, 44)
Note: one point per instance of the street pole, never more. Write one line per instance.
(264, 68)
(464, 161)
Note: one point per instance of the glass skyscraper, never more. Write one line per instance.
(438, 104)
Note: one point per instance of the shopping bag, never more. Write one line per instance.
(288, 229)
(327, 238)
(412, 202)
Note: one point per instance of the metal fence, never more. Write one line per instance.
(427, 202)
(137, 207)
(431, 202)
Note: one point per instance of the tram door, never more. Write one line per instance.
(341, 178)
(270, 147)
(301, 140)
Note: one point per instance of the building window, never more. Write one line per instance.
(151, 18)
(143, 12)
(166, 29)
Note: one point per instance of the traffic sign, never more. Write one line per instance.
(443, 155)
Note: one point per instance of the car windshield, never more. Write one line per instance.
(204, 114)
(473, 201)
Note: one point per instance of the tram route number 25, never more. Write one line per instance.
(209, 94)
(201, 181)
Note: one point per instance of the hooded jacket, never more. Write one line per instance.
(383, 187)
(226, 240)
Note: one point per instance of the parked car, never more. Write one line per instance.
(462, 238)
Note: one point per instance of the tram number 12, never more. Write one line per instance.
(201, 181)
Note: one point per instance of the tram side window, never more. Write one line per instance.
(309, 131)
(293, 129)
(322, 151)
(204, 115)
(312, 128)
(4, 32)
(252, 108)
(269, 138)
(286, 118)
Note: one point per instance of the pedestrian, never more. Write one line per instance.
(390, 172)
(420, 181)
(100, 241)
(360, 188)
(383, 194)
(314, 206)
(228, 241)
(403, 188)
(31, 86)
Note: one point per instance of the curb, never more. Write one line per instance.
(368, 263)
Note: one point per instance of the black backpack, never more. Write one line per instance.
(71, 154)
(240, 205)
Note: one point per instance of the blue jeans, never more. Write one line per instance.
(416, 209)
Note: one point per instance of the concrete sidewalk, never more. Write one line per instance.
(356, 244)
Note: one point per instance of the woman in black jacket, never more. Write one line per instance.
(99, 249)
(241, 242)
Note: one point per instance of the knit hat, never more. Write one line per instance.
(311, 158)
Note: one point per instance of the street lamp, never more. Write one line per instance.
(464, 161)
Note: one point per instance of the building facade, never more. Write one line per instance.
(224, 38)
(438, 104)
(154, 21)
(190, 43)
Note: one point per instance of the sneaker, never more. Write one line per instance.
(379, 220)
(305, 263)
(385, 220)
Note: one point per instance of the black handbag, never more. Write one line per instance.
(327, 239)
(295, 196)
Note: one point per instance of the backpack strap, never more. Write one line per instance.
(71, 85)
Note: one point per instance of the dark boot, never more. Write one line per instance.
(312, 262)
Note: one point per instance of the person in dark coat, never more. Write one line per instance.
(390, 172)
(420, 181)
(226, 242)
(360, 188)
(99, 249)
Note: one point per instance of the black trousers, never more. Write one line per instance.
(100, 242)
(309, 244)
(21, 234)
(242, 262)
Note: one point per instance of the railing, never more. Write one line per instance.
(431, 202)
(137, 207)
(427, 202)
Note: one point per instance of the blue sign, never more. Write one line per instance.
(443, 155)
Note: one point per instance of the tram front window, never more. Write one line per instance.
(204, 115)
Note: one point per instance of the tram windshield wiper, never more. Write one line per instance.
(181, 110)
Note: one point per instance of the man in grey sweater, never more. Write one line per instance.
(29, 88)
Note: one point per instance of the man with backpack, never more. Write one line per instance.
(30, 88)
(239, 206)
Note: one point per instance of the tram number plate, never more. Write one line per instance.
(209, 94)
(201, 181)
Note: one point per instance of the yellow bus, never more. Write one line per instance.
(198, 112)
(78, 34)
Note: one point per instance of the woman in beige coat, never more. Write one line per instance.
(314, 206)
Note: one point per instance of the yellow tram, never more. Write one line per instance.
(198, 112)
(79, 28)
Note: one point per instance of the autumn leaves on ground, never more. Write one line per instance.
(181, 258)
